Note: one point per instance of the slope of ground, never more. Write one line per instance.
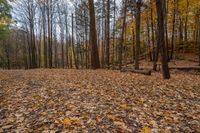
(98, 101)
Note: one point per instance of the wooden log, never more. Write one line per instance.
(141, 71)
(186, 68)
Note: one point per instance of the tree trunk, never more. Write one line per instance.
(137, 48)
(148, 39)
(199, 34)
(181, 32)
(160, 6)
(133, 41)
(186, 23)
(173, 30)
(66, 41)
(73, 47)
(44, 35)
(86, 39)
(93, 37)
(114, 26)
(108, 34)
(122, 35)
(55, 48)
(49, 23)
(166, 30)
(6, 48)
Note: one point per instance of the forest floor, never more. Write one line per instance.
(58, 100)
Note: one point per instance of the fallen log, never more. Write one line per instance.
(186, 68)
(141, 71)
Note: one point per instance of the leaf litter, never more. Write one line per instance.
(45, 100)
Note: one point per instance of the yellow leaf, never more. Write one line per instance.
(142, 100)
(124, 106)
(76, 121)
(119, 123)
(146, 130)
(98, 119)
(51, 102)
(67, 122)
(112, 117)
(169, 121)
(167, 114)
(42, 128)
(121, 126)
(43, 113)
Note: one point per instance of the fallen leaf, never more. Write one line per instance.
(67, 122)
(146, 130)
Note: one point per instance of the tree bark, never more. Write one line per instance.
(122, 34)
(108, 34)
(73, 48)
(95, 64)
(114, 30)
(199, 35)
(137, 19)
(160, 6)
(173, 29)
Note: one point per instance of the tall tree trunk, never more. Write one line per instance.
(25, 51)
(155, 48)
(199, 34)
(73, 48)
(55, 47)
(103, 37)
(39, 48)
(62, 48)
(133, 41)
(108, 34)
(44, 35)
(186, 23)
(49, 20)
(137, 48)
(6, 48)
(67, 41)
(160, 6)
(62, 40)
(122, 35)
(148, 39)
(166, 29)
(95, 64)
(114, 28)
(173, 29)
(181, 32)
(86, 39)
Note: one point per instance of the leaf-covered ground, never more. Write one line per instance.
(98, 101)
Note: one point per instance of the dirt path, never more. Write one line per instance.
(98, 101)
